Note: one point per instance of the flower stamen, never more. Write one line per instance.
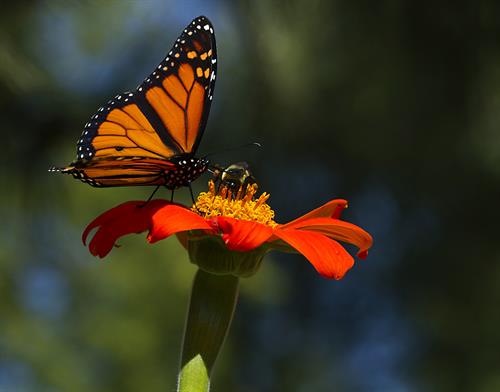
(241, 205)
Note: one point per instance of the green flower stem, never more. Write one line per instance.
(211, 309)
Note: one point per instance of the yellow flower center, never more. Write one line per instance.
(242, 205)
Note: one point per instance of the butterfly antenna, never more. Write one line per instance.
(254, 144)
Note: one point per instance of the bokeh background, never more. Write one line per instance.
(393, 105)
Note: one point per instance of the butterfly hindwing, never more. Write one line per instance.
(137, 137)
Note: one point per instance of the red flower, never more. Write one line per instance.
(243, 224)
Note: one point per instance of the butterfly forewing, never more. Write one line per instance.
(142, 137)
(180, 90)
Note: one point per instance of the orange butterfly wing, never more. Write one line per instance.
(139, 137)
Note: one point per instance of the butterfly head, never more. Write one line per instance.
(187, 169)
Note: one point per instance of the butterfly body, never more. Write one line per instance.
(150, 136)
(189, 169)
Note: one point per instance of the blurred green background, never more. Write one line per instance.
(393, 105)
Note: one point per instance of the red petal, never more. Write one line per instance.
(174, 219)
(329, 258)
(338, 230)
(242, 235)
(130, 217)
(362, 254)
(332, 209)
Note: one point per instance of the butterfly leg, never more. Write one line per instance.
(172, 196)
(152, 194)
(192, 196)
(150, 197)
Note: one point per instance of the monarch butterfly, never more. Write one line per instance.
(149, 136)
